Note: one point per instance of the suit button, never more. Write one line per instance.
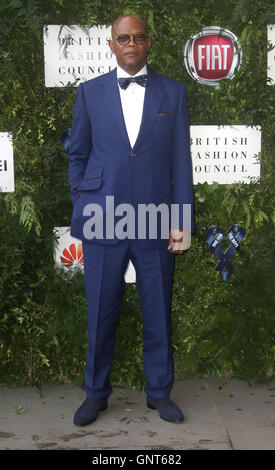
(132, 154)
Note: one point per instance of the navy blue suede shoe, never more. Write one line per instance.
(167, 409)
(87, 412)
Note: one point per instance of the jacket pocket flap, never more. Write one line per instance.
(93, 180)
(94, 173)
(91, 183)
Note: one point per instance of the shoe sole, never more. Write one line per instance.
(152, 407)
(103, 408)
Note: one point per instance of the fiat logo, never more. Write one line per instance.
(212, 54)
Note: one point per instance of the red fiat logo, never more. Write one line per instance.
(212, 55)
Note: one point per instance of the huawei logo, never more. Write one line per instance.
(212, 55)
(73, 257)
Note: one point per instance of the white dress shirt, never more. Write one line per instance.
(132, 100)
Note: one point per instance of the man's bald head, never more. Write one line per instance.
(123, 17)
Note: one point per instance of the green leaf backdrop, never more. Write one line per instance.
(219, 328)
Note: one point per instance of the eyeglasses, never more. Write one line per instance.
(124, 39)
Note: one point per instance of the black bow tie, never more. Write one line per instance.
(125, 82)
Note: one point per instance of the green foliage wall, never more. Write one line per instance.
(219, 328)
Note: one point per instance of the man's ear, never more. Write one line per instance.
(111, 45)
(149, 44)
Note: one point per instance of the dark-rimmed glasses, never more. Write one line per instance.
(124, 39)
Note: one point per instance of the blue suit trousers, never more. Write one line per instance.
(104, 270)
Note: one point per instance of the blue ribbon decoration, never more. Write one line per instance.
(65, 139)
(235, 235)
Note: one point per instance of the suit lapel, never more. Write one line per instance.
(113, 106)
(153, 96)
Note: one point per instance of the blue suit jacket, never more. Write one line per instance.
(101, 161)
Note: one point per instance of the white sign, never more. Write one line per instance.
(225, 154)
(6, 163)
(74, 52)
(69, 256)
(271, 54)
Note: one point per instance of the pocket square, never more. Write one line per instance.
(164, 114)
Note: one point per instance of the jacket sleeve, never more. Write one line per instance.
(182, 173)
(80, 143)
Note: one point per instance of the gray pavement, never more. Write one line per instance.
(220, 414)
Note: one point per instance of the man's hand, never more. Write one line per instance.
(179, 241)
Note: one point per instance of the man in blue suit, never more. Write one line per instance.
(130, 149)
